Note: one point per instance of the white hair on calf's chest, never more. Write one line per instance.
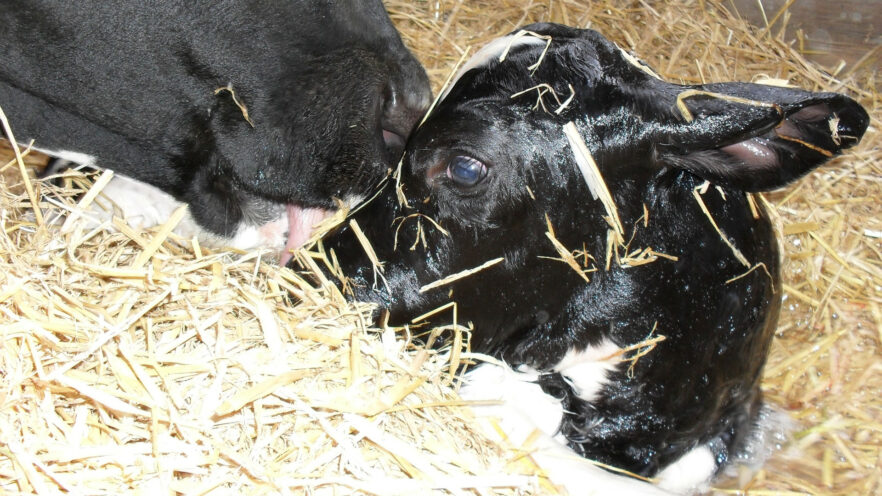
(526, 414)
(521, 397)
(530, 419)
(586, 370)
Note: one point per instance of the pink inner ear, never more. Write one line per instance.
(812, 113)
(754, 152)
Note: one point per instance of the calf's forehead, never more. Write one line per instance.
(490, 54)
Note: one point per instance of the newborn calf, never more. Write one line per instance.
(256, 114)
(629, 282)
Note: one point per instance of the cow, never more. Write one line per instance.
(261, 116)
(597, 229)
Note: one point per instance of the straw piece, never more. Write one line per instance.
(687, 114)
(160, 236)
(242, 108)
(99, 396)
(565, 255)
(259, 391)
(735, 251)
(366, 245)
(460, 275)
(592, 174)
(87, 199)
(32, 196)
(520, 34)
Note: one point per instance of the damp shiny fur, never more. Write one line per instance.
(652, 329)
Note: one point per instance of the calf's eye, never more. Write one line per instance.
(466, 171)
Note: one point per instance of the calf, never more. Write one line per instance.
(256, 114)
(629, 282)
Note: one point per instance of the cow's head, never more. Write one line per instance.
(332, 105)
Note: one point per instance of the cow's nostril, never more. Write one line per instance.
(394, 141)
(402, 110)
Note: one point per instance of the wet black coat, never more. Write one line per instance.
(718, 314)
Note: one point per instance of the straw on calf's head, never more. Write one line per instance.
(571, 161)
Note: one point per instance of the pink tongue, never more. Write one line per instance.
(300, 224)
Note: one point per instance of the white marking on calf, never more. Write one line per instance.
(523, 409)
(586, 370)
(524, 406)
(489, 52)
(690, 473)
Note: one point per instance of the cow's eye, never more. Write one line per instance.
(466, 171)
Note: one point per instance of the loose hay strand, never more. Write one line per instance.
(687, 114)
(160, 237)
(25, 177)
(87, 199)
(592, 174)
(242, 107)
(258, 391)
(460, 275)
(521, 34)
(562, 250)
(735, 251)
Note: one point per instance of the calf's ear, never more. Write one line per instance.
(756, 137)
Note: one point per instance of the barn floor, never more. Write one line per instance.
(137, 362)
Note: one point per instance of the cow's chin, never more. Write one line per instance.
(301, 225)
(276, 227)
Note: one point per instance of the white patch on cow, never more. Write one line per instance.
(526, 414)
(586, 370)
(143, 206)
(691, 473)
(489, 52)
(82, 159)
(271, 235)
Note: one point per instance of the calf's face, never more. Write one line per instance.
(604, 207)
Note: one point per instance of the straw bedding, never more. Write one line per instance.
(137, 362)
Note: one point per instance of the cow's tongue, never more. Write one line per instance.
(300, 224)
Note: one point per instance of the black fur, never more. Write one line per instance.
(701, 385)
(134, 85)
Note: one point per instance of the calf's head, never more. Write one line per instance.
(494, 173)
(603, 206)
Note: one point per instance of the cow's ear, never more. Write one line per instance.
(756, 137)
